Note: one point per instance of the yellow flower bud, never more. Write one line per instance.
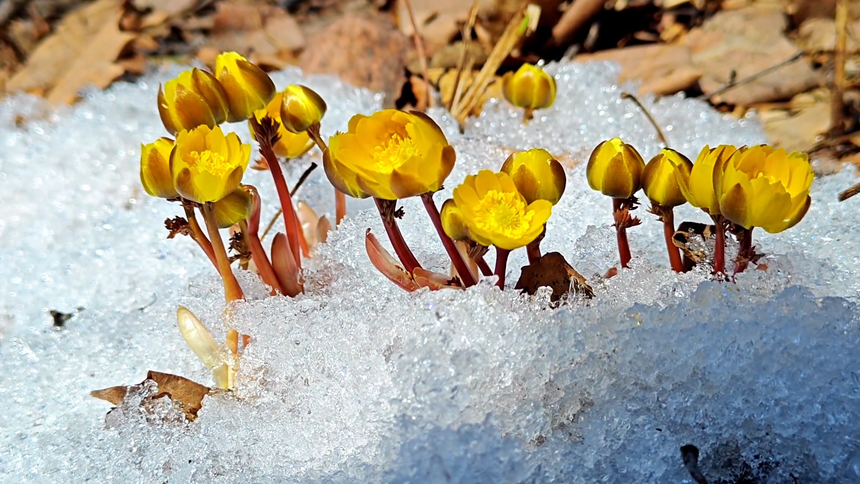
(767, 188)
(698, 187)
(195, 97)
(289, 145)
(233, 208)
(496, 214)
(155, 169)
(659, 180)
(530, 87)
(248, 88)
(206, 165)
(301, 108)
(537, 175)
(615, 169)
(389, 155)
(452, 221)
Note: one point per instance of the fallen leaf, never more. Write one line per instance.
(268, 35)
(797, 131)
(186, 393)
(83, 50)
(169, 8)
(553, 271)
(739, 43)
(364, 51)
(663, 69)
(819, 35)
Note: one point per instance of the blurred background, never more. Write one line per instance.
(792, 61)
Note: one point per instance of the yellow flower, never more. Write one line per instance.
(698, 187)
(206, 165)
(537, 175)
(659, 180)
(233, 208)
(495, 212)
(155, 169)
(301, 108)
(530, 87)
(767, 188)
(195, 97)
(289, 145)
(248, 88)
(452, 221)
(615, 169)
(389, 155)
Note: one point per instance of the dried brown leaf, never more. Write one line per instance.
(186, 393)
(81, 51)
(663, 69)
(553, 271)
(739, 43)
(364, 51)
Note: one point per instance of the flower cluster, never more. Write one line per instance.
(202, 169)
(740, 188)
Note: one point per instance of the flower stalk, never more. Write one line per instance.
(266, 132)
(623, 220)
(232, 290)
(745, 251)
(197, 234)
(388, 213)
(456, 258)
(339, 197)
(667, 216)
(501, 266)
(251, 228)
(720, 244)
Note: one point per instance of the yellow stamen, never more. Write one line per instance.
(210, 162)
(503, 213)
(393, 154)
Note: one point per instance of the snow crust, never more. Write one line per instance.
(358, 381)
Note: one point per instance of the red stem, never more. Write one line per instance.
(261, 260)
(501, 266)
(744, 251)
(232, 290)
(719, 246)
(621, 235)
(668, 216)
(454, 254)
(339, 197)
(485, 268)
(386, 211)
(198, 236)
(291, 220)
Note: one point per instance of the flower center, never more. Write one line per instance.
(503, 213)
(210, 162)
(392, 155)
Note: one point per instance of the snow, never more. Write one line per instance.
(358, 381)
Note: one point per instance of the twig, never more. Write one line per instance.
(293, 192)
(627, 95)
(837, 106)
(849, 192)
(690, 455)
(516, 29)
(304, 177)
(733, 83)
(577, 15)
(419, 46)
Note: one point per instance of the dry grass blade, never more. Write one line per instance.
(465, 59)
(419, 47)
(517, 28)
(837, 106)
